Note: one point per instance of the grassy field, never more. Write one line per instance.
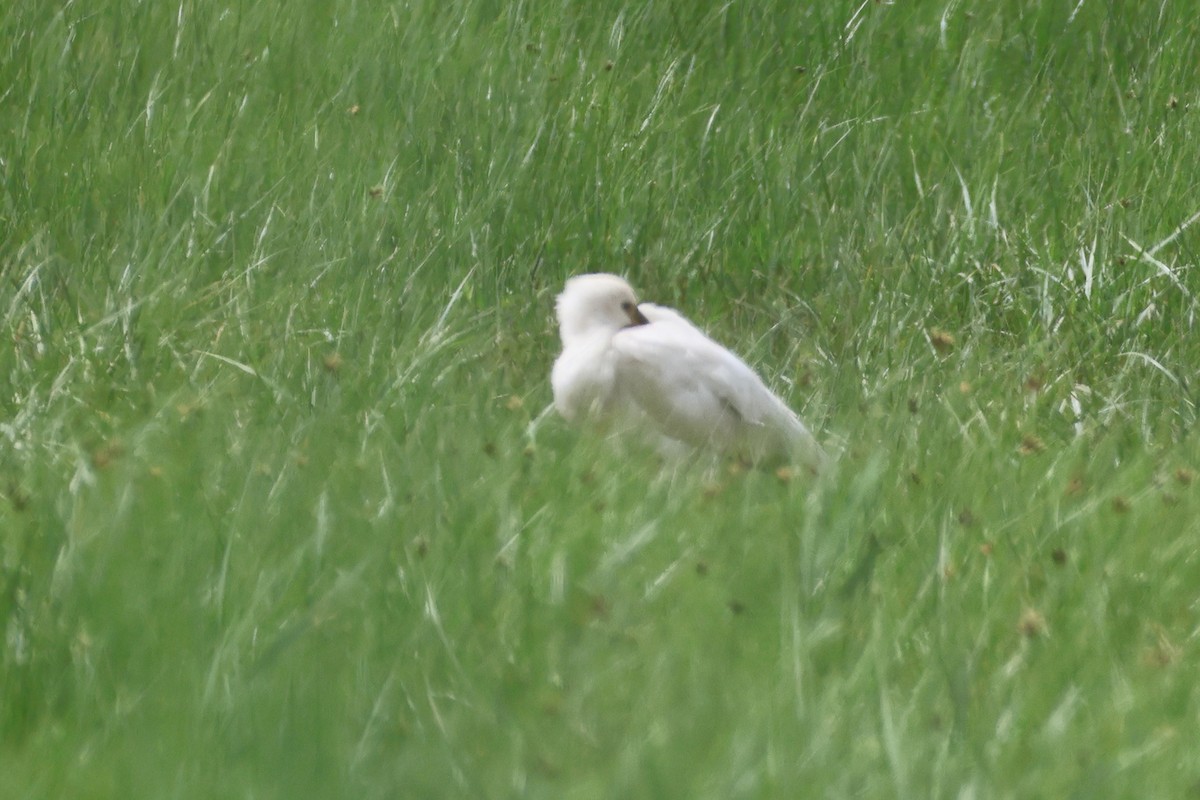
(281, 516)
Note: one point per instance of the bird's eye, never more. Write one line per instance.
(627, 306)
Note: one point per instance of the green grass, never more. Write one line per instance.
(276, 292)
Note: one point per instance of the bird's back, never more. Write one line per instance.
(700, 392)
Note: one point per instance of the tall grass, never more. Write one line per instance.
(285, 516)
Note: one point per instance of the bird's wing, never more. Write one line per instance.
(695, 388)
(657, 313)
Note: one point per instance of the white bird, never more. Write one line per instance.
(629, 364)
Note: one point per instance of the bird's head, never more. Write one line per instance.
(599, 303)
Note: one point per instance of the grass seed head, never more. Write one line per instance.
(106, 454)
(1032, 624)
(598, 606)
(1163, 653)
(942, 341)
(1031, 445)
(17, 497)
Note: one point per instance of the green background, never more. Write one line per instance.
(283, 516)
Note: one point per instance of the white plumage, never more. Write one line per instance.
(642, 367)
